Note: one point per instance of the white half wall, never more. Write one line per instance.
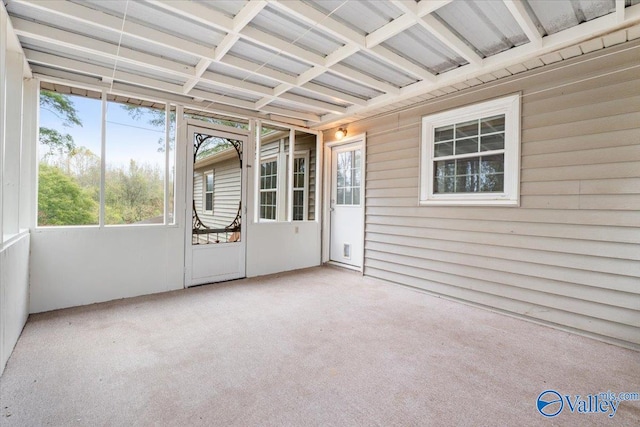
(14, 293)
(78, 266)
(282, 246)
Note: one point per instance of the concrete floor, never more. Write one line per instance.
(316, 347)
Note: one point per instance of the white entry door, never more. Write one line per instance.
(216, 239)
(347, 205)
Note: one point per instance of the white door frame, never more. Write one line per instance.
(224, 131)
(326, 202)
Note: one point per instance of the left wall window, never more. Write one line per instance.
(69, 155)
(133, 173)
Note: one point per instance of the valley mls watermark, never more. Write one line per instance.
(551, 403)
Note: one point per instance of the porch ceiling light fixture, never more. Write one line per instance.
(341, 133)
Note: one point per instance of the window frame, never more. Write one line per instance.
(510, 107)
(170, 161)
(205, 175)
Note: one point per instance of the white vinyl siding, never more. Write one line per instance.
(226, 193)
(568, 256)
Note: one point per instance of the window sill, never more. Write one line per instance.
(470, 202)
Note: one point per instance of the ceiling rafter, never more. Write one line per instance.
(524, 20)
(96, 47)
(516, 55)
(102, 20)
(87, 45)
(285, 80)
(248, 12)
(49, 60)
(318, 19)
(412, 11)
(69, 78)
(317, 62)
(191, 10)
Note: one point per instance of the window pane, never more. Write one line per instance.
(492, 124)
(356, 196)
(443, 149)
(492, 164)
(135, 159)
(467, 184)
(209, 182)
(443, 133)
(466, 146)
(445, 168)
(467, 129)
(492, 142)
(492, 183)
(340, 197)
(69, 156)
(468, 166)
(209, 201)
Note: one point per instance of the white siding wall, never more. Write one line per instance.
(226, 193)
(570, 254)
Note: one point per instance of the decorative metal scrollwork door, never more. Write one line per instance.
(213, 197)
(216, 184)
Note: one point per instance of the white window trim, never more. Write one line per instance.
(510, 106)
(204, 193)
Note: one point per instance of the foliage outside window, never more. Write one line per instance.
(471, 155)
(133, 173)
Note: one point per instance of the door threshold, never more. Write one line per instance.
(347, 266)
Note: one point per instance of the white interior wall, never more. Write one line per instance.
(282, 246)
(74, 266)
(14, 293)
(14, 244)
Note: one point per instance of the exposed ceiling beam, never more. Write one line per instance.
(318, 19)
(524, 20)
(71, 79)
(517, 55)
(71, 65)
(412, 11)
(248, 12)
(201, 14)
(88, 16)
(79, 43)
(449, 39)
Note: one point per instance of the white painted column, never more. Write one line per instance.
(12, 144)
(29, 156)
(3, 106)
(292, 144)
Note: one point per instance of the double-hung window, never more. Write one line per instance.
(471, 155)
(300, 185)
(269, 190)
(208, 192)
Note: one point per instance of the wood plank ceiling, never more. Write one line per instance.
(313, 63)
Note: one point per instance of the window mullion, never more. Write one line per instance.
(167, 154)
(292, 141)
(103, 164)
